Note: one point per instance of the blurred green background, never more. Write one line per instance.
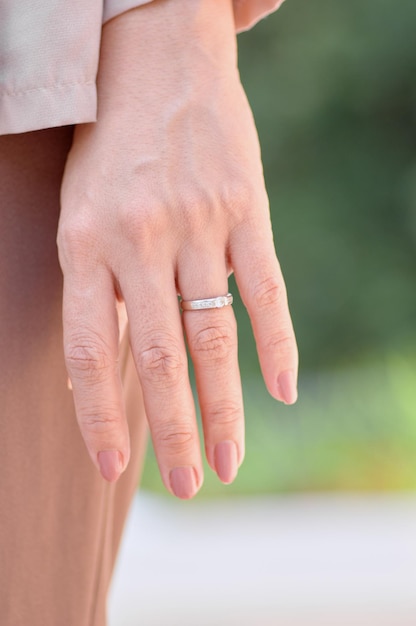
(333, 90)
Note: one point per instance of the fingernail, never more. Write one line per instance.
(287, 387)
(226, 462)
(111, 464)
(183, 482)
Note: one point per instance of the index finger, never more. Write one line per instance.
(91, 347)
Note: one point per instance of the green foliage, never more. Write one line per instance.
(332, 86)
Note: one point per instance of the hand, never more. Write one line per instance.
(165, 195)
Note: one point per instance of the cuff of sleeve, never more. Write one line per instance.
(113, 8)
(46, 107)
(246, 12)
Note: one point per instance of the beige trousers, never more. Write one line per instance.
(60, 522)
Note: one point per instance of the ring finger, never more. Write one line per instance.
(212, 339)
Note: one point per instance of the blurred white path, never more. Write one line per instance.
(315, 560)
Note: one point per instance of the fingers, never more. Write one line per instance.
(263, 291)
(158, 347)
(212, 340)
(91, 335)
(91, 342)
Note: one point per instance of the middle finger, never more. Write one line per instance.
(159, 352)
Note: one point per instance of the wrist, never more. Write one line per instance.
(165, 43)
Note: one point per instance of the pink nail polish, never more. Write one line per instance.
(226, 461)
(111, 464)
(183, 482)
(287, 387)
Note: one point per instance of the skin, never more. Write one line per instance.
(164, 195)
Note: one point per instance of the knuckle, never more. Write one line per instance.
(197, 208)
(214, 344)
(101, 421)
(269, 292)
(161, 365)
(87, 357)
(176, 438)
(76, 237)
(282, 342)
(142, 223)
(239, 197)
(224, 414)
(191, 199)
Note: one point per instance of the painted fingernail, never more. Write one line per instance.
(226, 461)
(183, 482)
(287, 387)
(111, 464)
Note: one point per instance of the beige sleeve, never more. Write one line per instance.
(49, 54)
(48, 63)
(246, 12)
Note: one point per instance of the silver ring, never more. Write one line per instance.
(206, 303)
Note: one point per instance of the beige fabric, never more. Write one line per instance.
(246, 12)
(49, 57)
(112, 8)
(60, 521)
(48, 63)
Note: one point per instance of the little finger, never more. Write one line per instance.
(262, 288)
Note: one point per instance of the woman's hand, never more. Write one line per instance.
(165, 195)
